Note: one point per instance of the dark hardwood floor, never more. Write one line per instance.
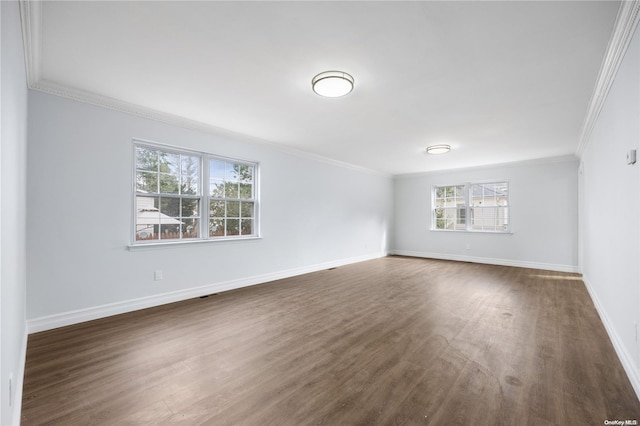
(394, 341)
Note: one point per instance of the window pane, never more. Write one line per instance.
(146, 203)
(490, 206)
(190, 207)
(169, 232)
(170, 207)
(503, 218)
(246, 191)
(486, 219)
(233, 208)
(461, 214)
(147, 182)
(216, 227)
(216, 188)
(233, 227)
(190, 175)
(189, 185)
(246, 226)
(231, 190)
(146, 159)
(502, 189)
(147, 218)
(168, 184)
(170, 163)
(477, 218)
(191, 228)
(232, 174)
(440, 220)
(246, 209)
(216, 209)
(450, 202)
(245, 173)
(216, 169)
(446, 223)
(503, 213)
(476, 195)
(490, 194)
(450, 218)
(190, 166)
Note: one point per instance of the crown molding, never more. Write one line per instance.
(179, 121)
(571, 158)
(623, 30)
(31, 19)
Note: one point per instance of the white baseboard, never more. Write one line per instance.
(623, 354)
(489, 261)
(16, 413)
(81, 315)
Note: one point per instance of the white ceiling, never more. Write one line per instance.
(498, 81)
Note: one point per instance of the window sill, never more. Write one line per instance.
(463, 231)
(173, 244)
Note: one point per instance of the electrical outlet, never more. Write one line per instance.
(157, 275)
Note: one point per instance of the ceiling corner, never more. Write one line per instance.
(623, 30)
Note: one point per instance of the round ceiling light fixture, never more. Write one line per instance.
(438, 149)
(332, 84)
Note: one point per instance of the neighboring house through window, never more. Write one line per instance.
(173, 204)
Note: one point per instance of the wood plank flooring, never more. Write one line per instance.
(393, 341)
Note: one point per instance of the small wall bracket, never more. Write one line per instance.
(631, 156)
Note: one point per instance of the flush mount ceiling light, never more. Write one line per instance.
(332, 84)
(438, 149)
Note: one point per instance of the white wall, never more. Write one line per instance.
(313, 215)
(544, 209)
(12, 214)
(610, 212)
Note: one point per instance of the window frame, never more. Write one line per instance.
(468, 207)
(204, 195)
(456, 209)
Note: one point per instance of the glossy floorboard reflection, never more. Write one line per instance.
(390, 341)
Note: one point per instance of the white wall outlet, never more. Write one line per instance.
(157, 275)
(631, 156)
(468, 246)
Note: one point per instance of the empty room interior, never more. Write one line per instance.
(292, 213)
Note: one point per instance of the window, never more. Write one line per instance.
(231, 198)
(475, 207)
(450, 210)
(490, 207)
(172, 204)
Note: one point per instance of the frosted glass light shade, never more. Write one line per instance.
(332, 84)
(438, 149)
